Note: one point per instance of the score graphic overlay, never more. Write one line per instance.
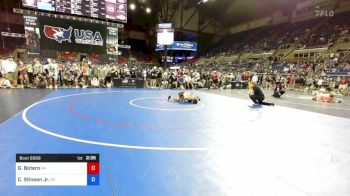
(57, 169)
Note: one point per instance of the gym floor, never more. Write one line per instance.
(149, 146)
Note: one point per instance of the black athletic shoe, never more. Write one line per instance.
(169, 98)
(272, 104)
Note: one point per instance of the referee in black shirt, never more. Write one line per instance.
(257, 96)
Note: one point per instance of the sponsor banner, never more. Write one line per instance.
(128, 83)
(165, 26)
(32, 34)
(112, 40)
(278, 66)
(71, 35)
(180, 45)
(343, 73)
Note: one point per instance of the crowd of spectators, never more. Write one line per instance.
(319, 32)
(54, 74)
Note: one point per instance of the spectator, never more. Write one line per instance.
(292, 82)
(4, 83)
(23, 75)
(165, 80)
(320, 83)
(9, 67)
(238, 77)
(173, 80)
(215, 79)
(344, 86)
(30, 72)
(41, 80)
(154, 74)
(255, 78)
(159, 78)
(95, 82)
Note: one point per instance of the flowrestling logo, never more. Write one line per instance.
(81, 36)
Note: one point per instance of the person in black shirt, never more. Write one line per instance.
(279, 91)
(159, 78)
(173, 81)
(257, 96)
(133, 73)
(154, 74)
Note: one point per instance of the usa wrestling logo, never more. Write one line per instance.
(58, 34)
(81, 36)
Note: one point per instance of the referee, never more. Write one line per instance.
(257, 96)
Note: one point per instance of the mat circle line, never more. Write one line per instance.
(131, 102)
(48, 132)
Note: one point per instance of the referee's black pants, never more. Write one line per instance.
(259, 100)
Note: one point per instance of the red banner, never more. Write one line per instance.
(69, 56)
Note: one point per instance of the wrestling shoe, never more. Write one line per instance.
(169, 98)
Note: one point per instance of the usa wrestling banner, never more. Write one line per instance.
(71, 35)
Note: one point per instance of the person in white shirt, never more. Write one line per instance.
(188, 81)
(320, 83)
(46, 66)
(165, 79)
(95, 82)
(255, 78)
(37, 68)
(9, 68)
(4, 83)
(53, 73)
(196, 80)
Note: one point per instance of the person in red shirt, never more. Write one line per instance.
(245, 77)
(343, 86)
(344, 82)
(292, 81)
(326, 97)
(23, 75)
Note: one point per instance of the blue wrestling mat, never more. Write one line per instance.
(149, 146)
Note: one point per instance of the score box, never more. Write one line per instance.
(93, 168)
(93, 173)
(57, 169)
(93, 179)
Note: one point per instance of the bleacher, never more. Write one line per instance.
(310, 40)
